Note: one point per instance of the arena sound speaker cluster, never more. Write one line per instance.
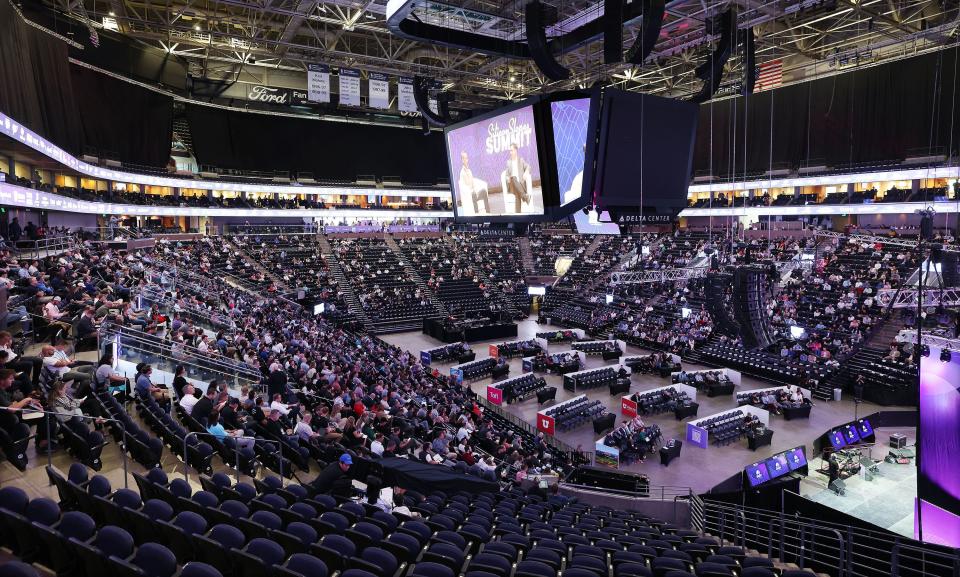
(749, 296)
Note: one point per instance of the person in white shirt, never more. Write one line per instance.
(278, 405)
(188, 400)
(53, 314)
(473, 187)
(376, 446)
(304, 431)
(60, 364)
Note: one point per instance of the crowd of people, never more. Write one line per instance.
(356, 393)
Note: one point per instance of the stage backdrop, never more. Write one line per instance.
(938, 451)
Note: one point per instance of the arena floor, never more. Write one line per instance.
(699, 469)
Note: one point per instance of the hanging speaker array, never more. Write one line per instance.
(749, 61)
(711, 71)
(421, 95)
(537, 42)
(653, 13)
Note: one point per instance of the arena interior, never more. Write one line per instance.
(479, 288)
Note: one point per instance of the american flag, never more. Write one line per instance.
(769, 75)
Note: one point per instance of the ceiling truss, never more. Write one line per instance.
(226, 39)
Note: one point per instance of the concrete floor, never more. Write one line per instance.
(698, 469)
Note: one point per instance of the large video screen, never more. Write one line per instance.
(495, 166)
(938, 484)
(645, 150)
(571, 119)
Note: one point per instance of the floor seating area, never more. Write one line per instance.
(587, 380)
(762, 364)
(660, 401)
(574, 414)
(713, 383)
(479, 369)
(523, 387)
(519, 349)
(726, 428)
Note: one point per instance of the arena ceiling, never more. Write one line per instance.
(224, 39)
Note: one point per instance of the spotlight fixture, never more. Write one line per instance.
(924, 351)
(945, 356)
(196, 27)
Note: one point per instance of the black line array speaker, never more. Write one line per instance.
(537, 42)
(613, 31)
(717, 286)
(749, 300)
(711, 71)
(948, 269)
(653, 12)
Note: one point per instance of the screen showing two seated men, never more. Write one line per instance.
(496, 167)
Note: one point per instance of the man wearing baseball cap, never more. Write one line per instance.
(334, 479)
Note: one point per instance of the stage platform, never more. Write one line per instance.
(887, 501)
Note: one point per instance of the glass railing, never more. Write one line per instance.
(133, 346)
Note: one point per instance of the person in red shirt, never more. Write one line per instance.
(359, 408)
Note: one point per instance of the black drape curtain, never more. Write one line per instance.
(35, 84)
(872, 115)
(121, 120)
(239, 140)
(78, 109)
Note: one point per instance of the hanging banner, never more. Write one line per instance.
(350, 87)
(379, 90)
(318, 83)
(405, 100)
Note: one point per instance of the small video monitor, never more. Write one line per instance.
(757, 473)
(837, 439)
(796, 458)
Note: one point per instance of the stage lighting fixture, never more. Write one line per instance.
(945, 356)
(924, 351)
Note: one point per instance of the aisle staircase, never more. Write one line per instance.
(526, 254)
(414, 276)
(277, 281)
(353, 303)
(867, 354)
(592, 247)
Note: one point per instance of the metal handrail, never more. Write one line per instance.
(142, 337)
(238, 379)
(123, 430)
(845, 553)
(33, 247)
